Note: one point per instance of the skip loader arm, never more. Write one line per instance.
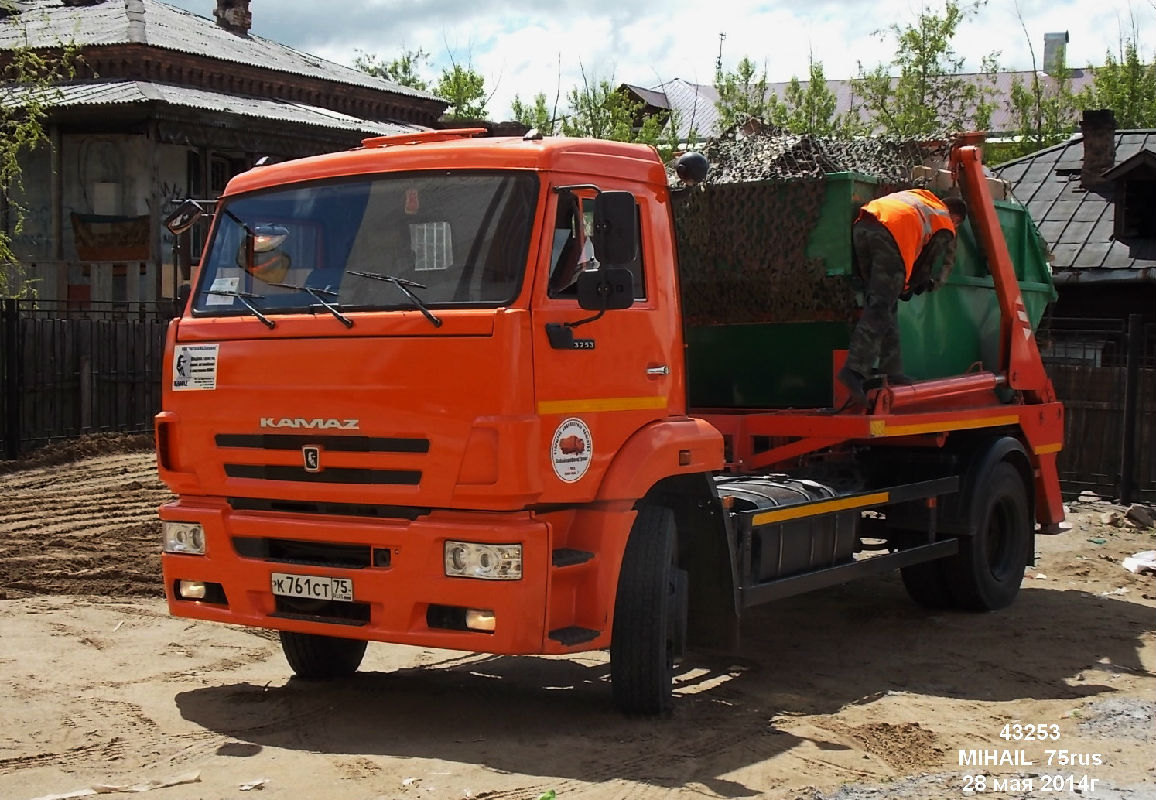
(1020, 358)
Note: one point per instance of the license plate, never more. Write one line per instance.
(312, 587)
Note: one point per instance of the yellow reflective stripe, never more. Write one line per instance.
(1044, 449)
(815, 509)
(881, 428)
(600, 404)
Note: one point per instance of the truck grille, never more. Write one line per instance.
(312, 554)
(282, 442)
(341, 444)
(328, 509)
(402, 477)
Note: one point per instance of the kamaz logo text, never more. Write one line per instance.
(312, 424)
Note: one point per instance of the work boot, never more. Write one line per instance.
(854, 383)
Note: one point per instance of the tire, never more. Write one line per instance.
(314, 657)
(649, 616)
(986, 573)
(926, 584)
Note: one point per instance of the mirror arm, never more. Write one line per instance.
(249, 231)
(594, 318)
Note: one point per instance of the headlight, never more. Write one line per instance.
(184, 537)
(489, 562)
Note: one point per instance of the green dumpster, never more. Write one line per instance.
(768, 294)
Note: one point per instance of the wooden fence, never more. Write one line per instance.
(1106, 442)
(67, 371)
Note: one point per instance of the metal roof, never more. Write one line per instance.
(128, 92)
(47, 23)
(1078, 224)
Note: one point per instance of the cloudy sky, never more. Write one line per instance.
(525, 48)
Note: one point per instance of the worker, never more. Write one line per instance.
(898, 241)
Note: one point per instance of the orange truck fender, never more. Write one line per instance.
(661, 449)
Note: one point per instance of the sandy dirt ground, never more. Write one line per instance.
(847, 694)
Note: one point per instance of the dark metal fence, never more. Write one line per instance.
(67, 371)
(1104, 371)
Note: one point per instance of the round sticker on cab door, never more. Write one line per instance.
(571, 450)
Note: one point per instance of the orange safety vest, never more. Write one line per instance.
(912, 217)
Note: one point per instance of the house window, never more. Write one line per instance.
(218, 175)
(1136, 211)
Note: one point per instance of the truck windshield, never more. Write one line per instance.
(452, 239)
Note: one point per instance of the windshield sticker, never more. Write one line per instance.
(222, 285)
(195, 367)
(571, 450)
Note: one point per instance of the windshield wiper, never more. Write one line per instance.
(318, 295)
(245, 297)
(404, 285)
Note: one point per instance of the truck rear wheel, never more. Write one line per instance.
(987, 571)
(649, 615)
(316, 657)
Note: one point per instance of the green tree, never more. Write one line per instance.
(463, 86)
(743, 94)
(465, 89)
(28, 89)
(1127, 86)
(928, 94)
(535, 115)
(810, 108)
(599, 109)
(1044, 109)
(405, 69)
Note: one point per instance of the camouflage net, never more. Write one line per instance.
(743, 234)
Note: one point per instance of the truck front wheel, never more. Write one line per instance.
(316, 657)
(987, 571)
(649, 615)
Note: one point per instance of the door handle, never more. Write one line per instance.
(661, 370)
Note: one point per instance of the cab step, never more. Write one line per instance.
(567, 557)
(573, 635)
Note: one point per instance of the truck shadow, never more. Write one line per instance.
(808, 655)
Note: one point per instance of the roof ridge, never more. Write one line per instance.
(1034, 154)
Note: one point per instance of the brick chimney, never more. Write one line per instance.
(234, 16)
(1099, 130)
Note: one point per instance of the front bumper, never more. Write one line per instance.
(396, 565)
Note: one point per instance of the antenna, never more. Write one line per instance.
(718, 64)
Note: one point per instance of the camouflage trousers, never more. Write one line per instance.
(876, 336)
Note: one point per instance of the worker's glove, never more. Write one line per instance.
(926, 286)
(905, 295)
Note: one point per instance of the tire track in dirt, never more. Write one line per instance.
(57, 540)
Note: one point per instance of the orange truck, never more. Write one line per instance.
(434, 391)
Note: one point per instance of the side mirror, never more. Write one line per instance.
(184, 217)
(607, 288)
(615, 228)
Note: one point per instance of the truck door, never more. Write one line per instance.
(618, 375)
